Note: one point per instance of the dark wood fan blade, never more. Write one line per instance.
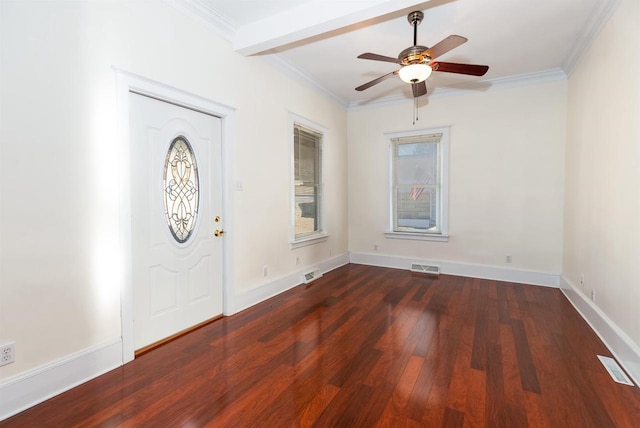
(419, 89)
(375, 81)
(452, 67)
(377, 57)
(445, 46)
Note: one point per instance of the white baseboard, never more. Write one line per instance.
(461, 269)
(621, 346)
(35, 386)
(278, 285)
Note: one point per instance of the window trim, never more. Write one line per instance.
(443, 234)
(321, 235)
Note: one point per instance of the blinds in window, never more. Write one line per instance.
(307, 180)
(307, 150)
(429, 138)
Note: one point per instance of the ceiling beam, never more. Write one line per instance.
(312, 19)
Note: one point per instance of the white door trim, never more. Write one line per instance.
(126, 83)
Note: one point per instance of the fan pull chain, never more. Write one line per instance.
(415, 110)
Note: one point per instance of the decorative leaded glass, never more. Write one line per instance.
(181, 189)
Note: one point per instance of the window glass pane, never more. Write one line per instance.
(306, 210)
(416, 208)
(181, 189)
(307, 157)
(416, 185)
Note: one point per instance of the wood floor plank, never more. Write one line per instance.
(528, 375)
(423, 283)
(475, 406)
(533, 408)
(513, 392)
(344, 408)
(446, 348)
(402, 390)
(310, 413)
(367, 346)
(480, 339)
(452, 418)
(459, 385)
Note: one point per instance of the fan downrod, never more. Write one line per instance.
(414, 19)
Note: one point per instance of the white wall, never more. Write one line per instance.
(602, 187)
(506, 174)
(59, 254)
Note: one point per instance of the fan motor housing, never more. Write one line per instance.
(414, 55)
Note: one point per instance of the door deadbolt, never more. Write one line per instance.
(217, 219)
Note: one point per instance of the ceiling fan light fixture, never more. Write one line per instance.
(414, 73)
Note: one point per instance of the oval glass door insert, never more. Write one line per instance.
(181, 189)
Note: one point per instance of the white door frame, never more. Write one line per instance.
(125, 84)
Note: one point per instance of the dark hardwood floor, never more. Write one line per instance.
(365, 347)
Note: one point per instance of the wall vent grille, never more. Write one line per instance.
(429, 269)
(615, 371)
(311, 275)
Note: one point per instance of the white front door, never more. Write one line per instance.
(175, 211)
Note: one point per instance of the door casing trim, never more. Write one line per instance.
(125, 84)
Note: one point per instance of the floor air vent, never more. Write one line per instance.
(431, 270)
(312, 275)
(614, 370)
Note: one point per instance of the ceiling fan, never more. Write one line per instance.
(417, 61)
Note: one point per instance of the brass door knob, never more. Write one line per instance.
(218, 232)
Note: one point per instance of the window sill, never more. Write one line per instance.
(417, 236)
(308, 240)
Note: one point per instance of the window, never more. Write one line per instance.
(181, 193)
(307, 183)
(419, 163)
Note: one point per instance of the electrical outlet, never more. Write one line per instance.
(265, 271)
(507, 259)
(375, 247)
(7, 353)
(297, 260)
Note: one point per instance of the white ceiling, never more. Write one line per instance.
(319, 40)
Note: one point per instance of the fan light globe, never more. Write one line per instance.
(415, 73)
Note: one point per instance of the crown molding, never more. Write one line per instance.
(201, 12)
(591, 30)
(283, 66)
(538, 77)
